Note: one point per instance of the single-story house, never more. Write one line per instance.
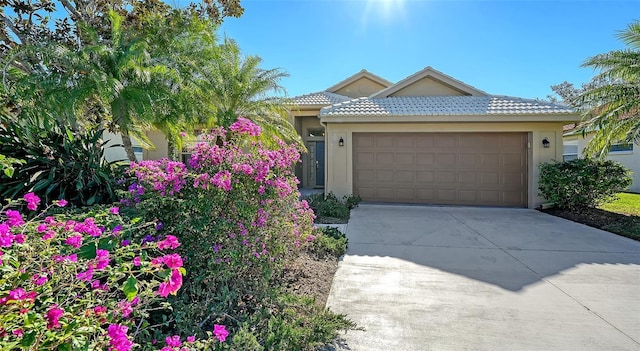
(428, 138)
(626, 154)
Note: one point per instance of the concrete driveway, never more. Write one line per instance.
(466, 278)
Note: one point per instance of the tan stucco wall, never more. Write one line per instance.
(360, 88)
(630, 159)
(428, 87)
(339, 170)
(118, 153)
(161, 146)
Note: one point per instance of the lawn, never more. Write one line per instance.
(621, 216)
(626, 203)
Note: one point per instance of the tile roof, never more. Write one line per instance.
(443, 105)
(320, 98)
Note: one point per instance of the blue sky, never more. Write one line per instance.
(517, 48)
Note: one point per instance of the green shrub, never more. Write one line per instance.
(330, 206)
(58, 163)
(329, 241)
(582, 182)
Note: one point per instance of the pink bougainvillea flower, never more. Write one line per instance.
(86, 275)
(14, 218)
(41, 227)
(61, 203)
(18, 332)
(114, 210)
(136, 261)
(75, 241)
(6, 236)
(32, 201)
(99, 309)
(220, 331)
(172, 286)
(39, 279)
(102, 259)
(20, 238)
(118, 338)
(173, 341)
(125, 307)
(170, 242)
(191, 338)
(245, 126)
(172, 261)
(183, 134)
(48, 234)
(53, 317)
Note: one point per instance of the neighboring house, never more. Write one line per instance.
(429, 138)
(627, 154)
(115, 152)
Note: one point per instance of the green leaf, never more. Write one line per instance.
(28, 339)
(88, 251)
(130, 288)
(8, 171)
(69, 134)
(64, 347)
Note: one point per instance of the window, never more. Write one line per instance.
(315, 132)
(570, 150)
(621, 147)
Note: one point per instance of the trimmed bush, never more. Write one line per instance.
(329, 241)
(582, 182)
(328, 208)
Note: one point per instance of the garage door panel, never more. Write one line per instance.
(384, 177)
(446, 160)
(405, 159)
(424, 159)
(441, 168)
(425, 176)
(403, 177)
(386, 141)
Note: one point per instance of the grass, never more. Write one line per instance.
(626, 203)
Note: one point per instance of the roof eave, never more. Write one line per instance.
(494, 118)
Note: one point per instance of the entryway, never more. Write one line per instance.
(315, 169)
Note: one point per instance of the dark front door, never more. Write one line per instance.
(319, 163)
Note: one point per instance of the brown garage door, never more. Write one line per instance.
(488, 169)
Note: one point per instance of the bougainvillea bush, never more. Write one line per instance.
(79, 282)
(235, 208)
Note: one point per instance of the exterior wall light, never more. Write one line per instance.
(546, 143)
(341, 142)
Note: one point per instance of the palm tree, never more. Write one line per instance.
(238, 87)
(612, 110)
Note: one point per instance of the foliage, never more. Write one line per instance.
(80, 283)
(29, 22)
(625, 203)
(239, 87)
(330, 207)
(7, 165)
(237, 213)
(611, 106)
(58, 163)
(582, 182)
(329, 241)
(629, 227)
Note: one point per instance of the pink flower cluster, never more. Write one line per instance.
(167, 177)
(245, 126)
(118, 338)
(32, 201)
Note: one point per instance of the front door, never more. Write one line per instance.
(315, 170)
(319, 163)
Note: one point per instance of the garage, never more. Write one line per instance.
(486, 169)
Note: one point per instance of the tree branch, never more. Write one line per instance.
(13, 28)
(67, 5)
